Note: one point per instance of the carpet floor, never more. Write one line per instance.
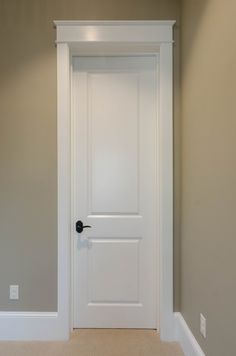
(97, 342)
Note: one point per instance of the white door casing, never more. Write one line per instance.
(114, 183)
(117, 37)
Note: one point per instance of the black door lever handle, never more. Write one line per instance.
(79, 226)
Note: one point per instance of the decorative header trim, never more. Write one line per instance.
(114, 31)
(113, 23)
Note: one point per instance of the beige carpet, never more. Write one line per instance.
(100, 342)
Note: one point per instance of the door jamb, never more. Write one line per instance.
(96, 37)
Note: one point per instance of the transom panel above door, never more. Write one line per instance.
(114, 190)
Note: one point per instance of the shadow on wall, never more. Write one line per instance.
(25, 50)
(209, 174)
(28, 159)
(28, 24)
(192, 24)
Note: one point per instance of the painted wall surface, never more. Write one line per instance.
(28, 173)
(208, 245)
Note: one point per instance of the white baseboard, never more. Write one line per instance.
(43, 326)
(186, 339)
(29, 326)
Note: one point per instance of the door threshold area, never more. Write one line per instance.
(97, 342)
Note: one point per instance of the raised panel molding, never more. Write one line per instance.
(124, 254)
(107, 174)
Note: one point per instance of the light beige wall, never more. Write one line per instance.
(208, 246)
(28, 222)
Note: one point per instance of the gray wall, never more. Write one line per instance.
(28, 225)
(208, 245)
(28, 174)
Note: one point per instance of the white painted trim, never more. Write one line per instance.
(114, 31)
(70, 38)
(186, 339)
(114, 23)
(19, 314)
(166, 192)
(30, 326)
(64, 187)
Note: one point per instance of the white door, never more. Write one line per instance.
(114, 134)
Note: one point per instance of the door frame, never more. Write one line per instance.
(117, 38)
